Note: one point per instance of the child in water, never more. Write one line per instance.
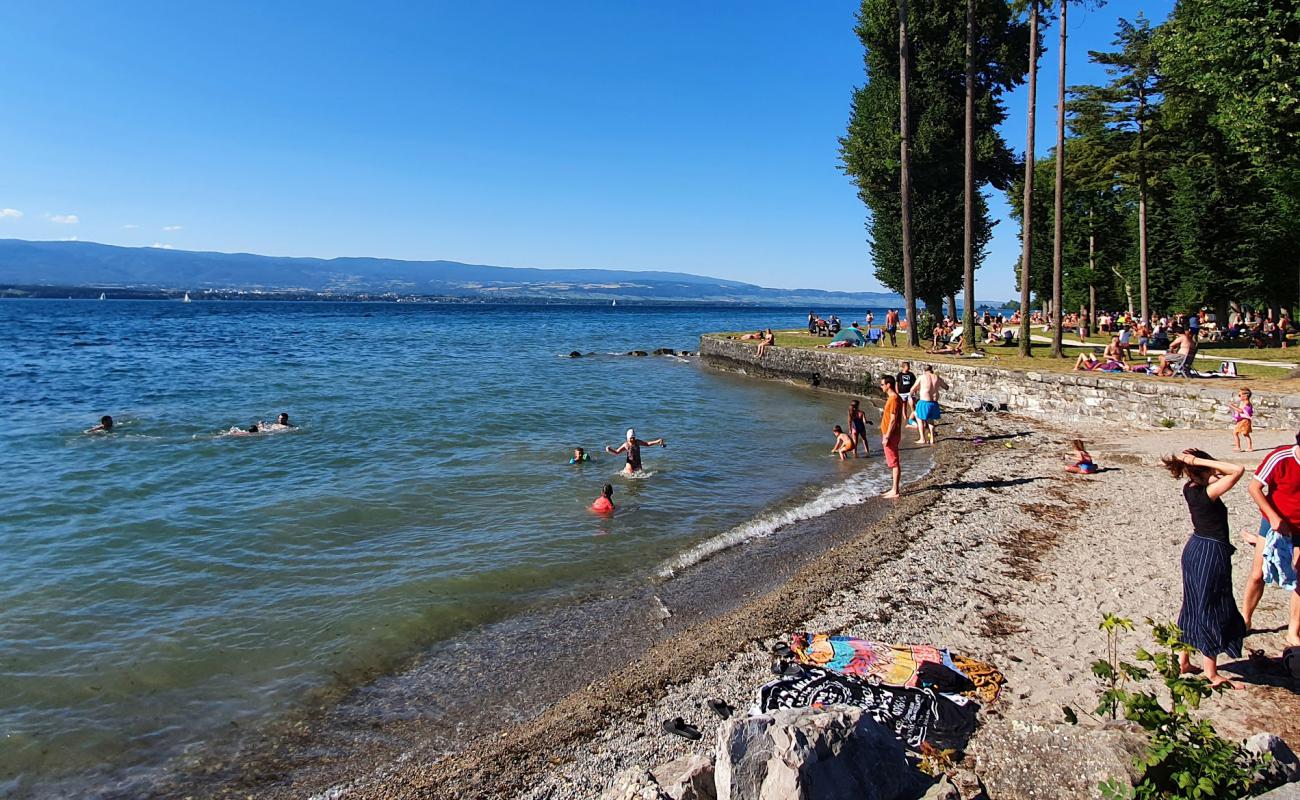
(1083, 463)
(579, 456)
(843, 444)
(605, 503)
(1242, 417)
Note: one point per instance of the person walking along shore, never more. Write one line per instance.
(928, 386)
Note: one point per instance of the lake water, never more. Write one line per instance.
(166, 580)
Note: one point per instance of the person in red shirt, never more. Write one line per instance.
(1276, 490)
(605, 503)
(891, 430)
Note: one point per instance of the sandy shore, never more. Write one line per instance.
(998, 554)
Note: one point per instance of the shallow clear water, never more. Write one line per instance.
(165, 580)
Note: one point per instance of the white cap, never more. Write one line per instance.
(631, 434)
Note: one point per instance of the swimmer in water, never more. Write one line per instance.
(283, 421)
(579, 456)
(605, 503)
(105, 425)
(632, 447)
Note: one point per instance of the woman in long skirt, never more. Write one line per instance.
(1209, 618)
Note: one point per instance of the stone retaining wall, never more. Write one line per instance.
(1061, 396)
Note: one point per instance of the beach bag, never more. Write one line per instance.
(1228, 368)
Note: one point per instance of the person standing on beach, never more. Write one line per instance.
(904, 381)
(858, 428)
(891, 431)
(632, 447)
(1275, 488)
(891, 327)
(928, 386)
(1209, 618)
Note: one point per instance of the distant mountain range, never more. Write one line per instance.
(89, 264)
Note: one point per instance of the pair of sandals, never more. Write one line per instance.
(677, 727)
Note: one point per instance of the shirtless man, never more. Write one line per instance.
(928, 386)
(105, 425)
(891, 327)
(1180, 349)
(632, 447)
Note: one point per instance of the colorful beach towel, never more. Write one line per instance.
(892, 664)
(914, 715)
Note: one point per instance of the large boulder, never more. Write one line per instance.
(689, 778)
(836, 753)
(1030, 761)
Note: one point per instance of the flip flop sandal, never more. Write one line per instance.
(721, 708)
(782, 650)
(676, 727)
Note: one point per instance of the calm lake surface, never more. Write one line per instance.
(165, 581)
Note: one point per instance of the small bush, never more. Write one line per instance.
(1167, 423)
(924, 325)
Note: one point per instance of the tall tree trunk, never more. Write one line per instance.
(1058, 234)
(968, 233)
(952, 307)
(1092, 269)
(905, 173)
(1142, 206)
(1027, 233)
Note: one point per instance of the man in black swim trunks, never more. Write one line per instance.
(632, 447)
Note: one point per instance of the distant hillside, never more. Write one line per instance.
(24, 263)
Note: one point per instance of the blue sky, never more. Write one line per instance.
(698, 137)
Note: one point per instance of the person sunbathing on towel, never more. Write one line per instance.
(1087, 362)
(953, 349)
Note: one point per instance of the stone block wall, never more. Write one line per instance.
(1070, 397)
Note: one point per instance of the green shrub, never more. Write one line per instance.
(924, 325)
(1167, 423)
(1185, 757)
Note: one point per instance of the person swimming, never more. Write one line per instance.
(105, 425)
(283, 421)
(605, 503)
(632, 447)
(579, 456)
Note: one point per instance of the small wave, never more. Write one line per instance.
(856, 489)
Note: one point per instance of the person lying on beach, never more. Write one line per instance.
(1081, 462)
(1209, 618)
(632, 447)
(843, 444)
(579, 456)
(605, 503)
(1087, 362)
(952, 349)
(749, 337)
(105, 426)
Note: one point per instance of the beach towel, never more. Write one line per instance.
(914, 715)
(893, 664)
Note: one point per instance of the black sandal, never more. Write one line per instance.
(786, 669)
(676, 727)
(721, 708)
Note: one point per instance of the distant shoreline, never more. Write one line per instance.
(92, 292)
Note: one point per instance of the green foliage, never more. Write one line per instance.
(1184, 758)
(870, 148)
(1167, 423)
(925, 323)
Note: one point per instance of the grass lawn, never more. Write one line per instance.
(1274, 378)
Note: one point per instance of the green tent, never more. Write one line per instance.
(853, 336)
